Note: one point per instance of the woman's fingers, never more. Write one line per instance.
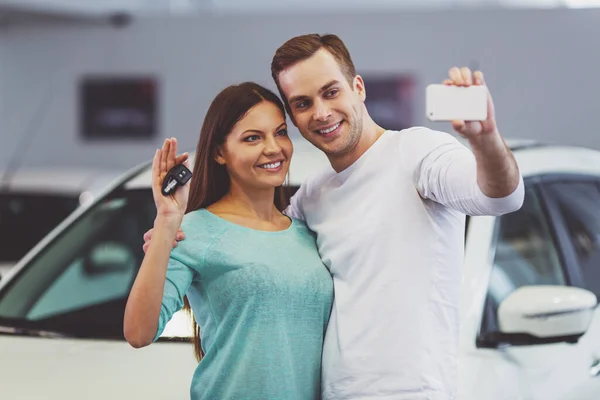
(182, 158)
(172, 153)
(163, 157)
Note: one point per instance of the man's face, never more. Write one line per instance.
(326, 109)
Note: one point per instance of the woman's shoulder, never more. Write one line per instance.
(302, 227)
(193, 216)
(202, 224)
(298, 223)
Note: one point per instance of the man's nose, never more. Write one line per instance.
(322, 112)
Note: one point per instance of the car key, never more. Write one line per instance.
(176, 177)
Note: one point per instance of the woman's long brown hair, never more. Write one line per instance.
(210, 180)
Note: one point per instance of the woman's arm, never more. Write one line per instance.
(145, 300)
(143, 309)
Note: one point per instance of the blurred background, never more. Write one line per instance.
(159, 64)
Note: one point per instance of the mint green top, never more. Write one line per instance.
(262, 300)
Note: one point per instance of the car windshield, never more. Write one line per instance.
(25, 218)
(78, 284)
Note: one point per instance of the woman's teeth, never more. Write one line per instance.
(271, 166)
(329, 130)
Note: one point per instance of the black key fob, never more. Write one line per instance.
(176, 177)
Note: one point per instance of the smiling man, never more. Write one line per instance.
(389, 217)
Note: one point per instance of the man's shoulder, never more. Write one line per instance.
(419, 140)
(316, 180)
(417, 134)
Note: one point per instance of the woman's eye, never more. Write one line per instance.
(251, 138)
(282, 132)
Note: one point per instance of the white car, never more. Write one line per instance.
(530, 327)
(35, 201)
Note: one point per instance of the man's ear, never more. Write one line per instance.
(292, 119)
(218, 156)
(359, 87)
(288, 109)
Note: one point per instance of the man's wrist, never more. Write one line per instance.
(486, 142)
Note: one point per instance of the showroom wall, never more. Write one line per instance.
(541, 66)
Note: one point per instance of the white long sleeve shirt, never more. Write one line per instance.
(390, 228)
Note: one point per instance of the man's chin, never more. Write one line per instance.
(334, 145)
(325, 145)
(332, 150)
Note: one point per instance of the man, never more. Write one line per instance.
(389, 219)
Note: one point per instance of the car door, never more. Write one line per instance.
(575, 207)
(525, 252)
(61, 315)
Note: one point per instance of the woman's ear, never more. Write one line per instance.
(218, 156)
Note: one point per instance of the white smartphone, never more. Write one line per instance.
(447, 103)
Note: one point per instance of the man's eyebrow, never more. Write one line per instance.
(328, 85)
(297, 98)
(321, 90)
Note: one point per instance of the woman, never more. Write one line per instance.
(252, 276)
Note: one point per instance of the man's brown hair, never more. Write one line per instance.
(302, 47)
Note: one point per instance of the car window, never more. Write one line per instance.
(579, 208)
(525, 254)
(25, 218)
(79, 284)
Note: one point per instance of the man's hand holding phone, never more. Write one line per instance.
(464, 100)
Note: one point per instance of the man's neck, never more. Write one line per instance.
(370, 133)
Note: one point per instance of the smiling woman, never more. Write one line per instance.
(251, 275)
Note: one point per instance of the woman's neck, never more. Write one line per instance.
(257, 204)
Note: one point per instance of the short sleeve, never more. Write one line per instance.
(294, 210)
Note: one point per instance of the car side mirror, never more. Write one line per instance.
(545, 314)
(109, 257)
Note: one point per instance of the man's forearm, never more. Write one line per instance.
(497, 170)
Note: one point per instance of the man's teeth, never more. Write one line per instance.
(271, 166)
(329, 130)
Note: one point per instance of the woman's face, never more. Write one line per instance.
(257, 152)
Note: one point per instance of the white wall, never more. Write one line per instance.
(541, 66)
